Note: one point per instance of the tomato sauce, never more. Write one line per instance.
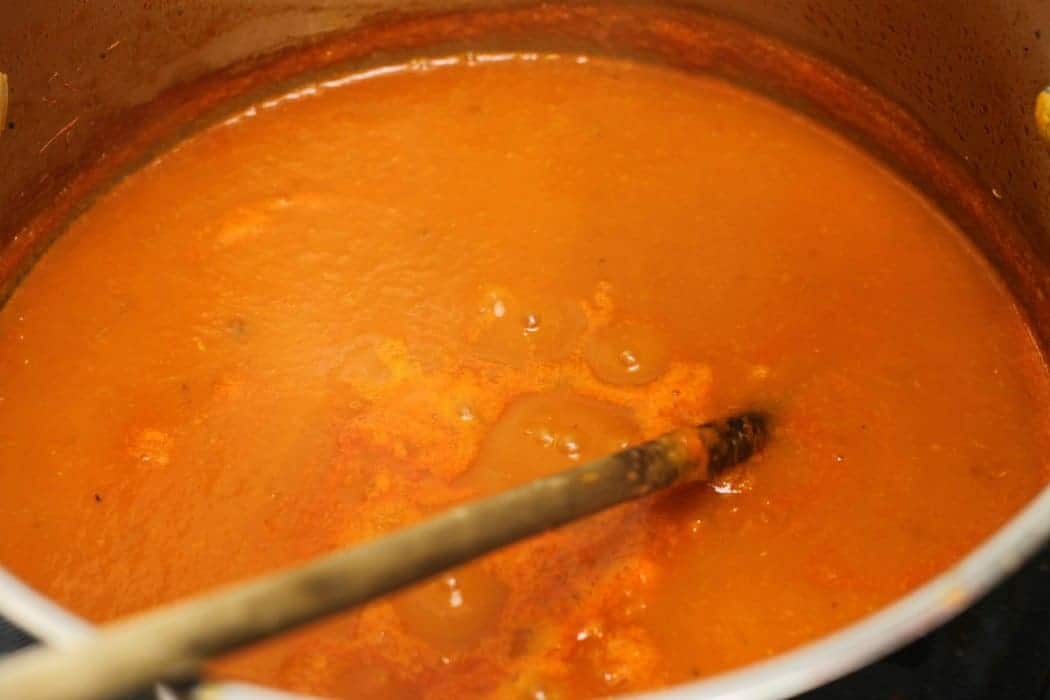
(346, 309)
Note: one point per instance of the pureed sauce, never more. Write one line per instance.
(328, 318)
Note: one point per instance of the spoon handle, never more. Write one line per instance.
(172, 642)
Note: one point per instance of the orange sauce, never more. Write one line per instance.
(332, 316)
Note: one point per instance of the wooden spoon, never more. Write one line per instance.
(172, 642)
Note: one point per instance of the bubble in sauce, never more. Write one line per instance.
(532, 324)
(553, 328)
(494, 302)
(540, 434)
(627, 353)
(373, 363)
(454, 611)
(516, 329)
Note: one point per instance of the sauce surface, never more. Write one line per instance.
(337, 314)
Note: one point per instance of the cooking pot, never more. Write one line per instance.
(93, 85)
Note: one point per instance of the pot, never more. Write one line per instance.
(93, 86)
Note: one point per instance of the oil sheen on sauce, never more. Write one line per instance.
(330, 317)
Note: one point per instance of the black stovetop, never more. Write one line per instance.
(999, 648)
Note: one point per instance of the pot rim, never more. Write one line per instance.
(786, 674)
